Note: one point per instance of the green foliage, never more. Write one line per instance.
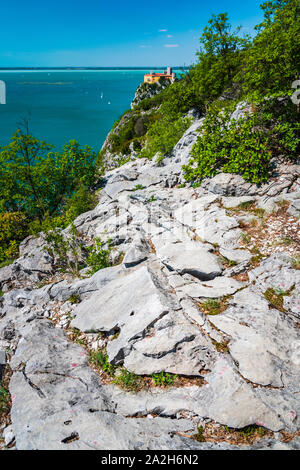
(37, 181)
(138, 187)
(133, 126)
(74, 299)
(200, 436)
(4, 402)
(163, 135)
(164, 379)
(41, 189)
(13, 229)
(66, 249)
(100, 360)
(128, 381)
(272, 63)
(82, 200)
(150, 103)
(98, 257)
(275, 297)
(245, 146)
(220, 58)
(296, 262)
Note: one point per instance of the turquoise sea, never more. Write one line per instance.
(66, 104)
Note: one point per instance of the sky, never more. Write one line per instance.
(102, 33)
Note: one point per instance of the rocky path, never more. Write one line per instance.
(194, 296)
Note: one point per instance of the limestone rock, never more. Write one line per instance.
(190, 258)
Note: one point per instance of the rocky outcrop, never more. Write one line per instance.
(148, 90)
(183, 248)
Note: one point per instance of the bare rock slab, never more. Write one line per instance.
(218, 287)
(129, 304)
(191, 258)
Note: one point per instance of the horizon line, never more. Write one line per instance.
(94, 67)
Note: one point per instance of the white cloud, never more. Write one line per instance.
(171, 45)
(169, 35)
(162, 30)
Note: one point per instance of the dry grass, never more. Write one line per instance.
(5, 401)
(248, 435)
(242, 277)
(274, 233)
(214, 306)
(275, 298)
(287, 437)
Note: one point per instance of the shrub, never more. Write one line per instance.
(13, 229)
(66, 249)
(163, 135)
(82, 200)
(98, 257)
(245, 146)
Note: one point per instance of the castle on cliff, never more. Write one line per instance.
(154, 77)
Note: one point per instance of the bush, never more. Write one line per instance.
(163, 135)
(66, 249)
(245, 146)
(82, 200)
(41, 181)
(98, 257)
(13, 229)
(272, 63)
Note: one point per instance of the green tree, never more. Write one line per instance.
(221, 51)
(273, 62)
(37, 181)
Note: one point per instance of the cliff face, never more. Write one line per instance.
(146, 90)
(208, 289)
(124, 141)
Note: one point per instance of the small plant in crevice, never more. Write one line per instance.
(128, 381)
(227, 262)
(275, 297)
(67, 250)
(4, 401)
(214, 306)
(164, 379)
(199, 436)
(5, 398)
(296, 262)
(256, 258)
(98, 256)
(211, 432)
(152, 198)
(246, 239)
(100, 360)
(221, 347)
(138, 187)
(77, 336)
(74, 299)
